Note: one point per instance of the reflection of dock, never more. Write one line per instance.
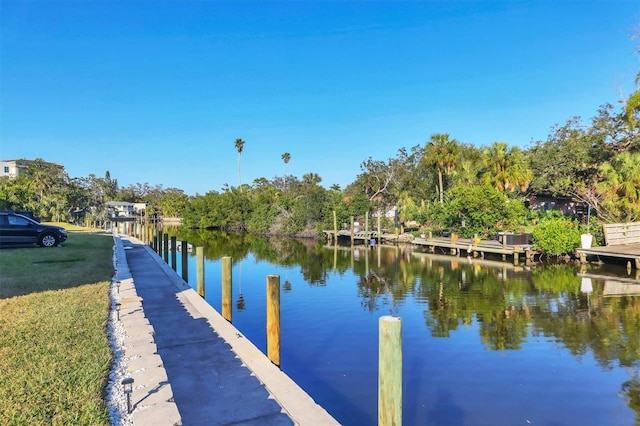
(616, 286)
(495, 264)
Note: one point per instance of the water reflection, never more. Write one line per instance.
(591, 311)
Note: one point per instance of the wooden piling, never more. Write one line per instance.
(273, 318)
(226, 288)
(185, 261)
(200, 270)
(351, 231)
(335, 228)
(165, 248)
(159, 247)
(390, 371)
(174, 249)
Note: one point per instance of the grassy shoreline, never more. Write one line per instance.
(55, 356)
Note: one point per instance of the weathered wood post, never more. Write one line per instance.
(226, 288)
(335, 228)
(366, 222)
(155, 243)
(390, 371)
(165, 248)
(159, 247)
(185, 261)
(352, 230)
(273, 318)
(379, 233)
(200, 270)
(174, 249)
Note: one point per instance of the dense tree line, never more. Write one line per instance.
(442, 184)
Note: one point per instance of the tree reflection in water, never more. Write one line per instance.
(509, 303)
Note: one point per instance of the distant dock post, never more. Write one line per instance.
(273, 318)
(390, 371)
(226, 288)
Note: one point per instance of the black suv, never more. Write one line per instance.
(17, 228)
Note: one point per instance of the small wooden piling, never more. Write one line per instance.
(390, 371)
(174, 249)
(226, 288)
(273, 318)
(185, 261)
(200, 270)
(335, 228)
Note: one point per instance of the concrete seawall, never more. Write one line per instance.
(190, 365)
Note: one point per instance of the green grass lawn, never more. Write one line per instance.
(54, 352)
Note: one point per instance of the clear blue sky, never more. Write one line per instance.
(157, 91)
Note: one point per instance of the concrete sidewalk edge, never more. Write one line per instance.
(302, 409)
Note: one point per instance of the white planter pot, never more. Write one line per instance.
(586, 240)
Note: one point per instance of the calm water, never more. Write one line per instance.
(484, 343)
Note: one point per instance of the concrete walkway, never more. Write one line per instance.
(190, 365)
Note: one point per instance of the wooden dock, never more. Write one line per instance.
(476, 248)
(471, 247)
(357, 237)
(622, 242)
(631, 252)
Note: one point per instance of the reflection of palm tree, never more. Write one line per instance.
(631, 391)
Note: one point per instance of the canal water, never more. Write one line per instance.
(484, 342)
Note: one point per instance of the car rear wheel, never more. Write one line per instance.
(48, 240)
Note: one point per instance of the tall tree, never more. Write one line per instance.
(285, 157)
(506, 168)
(239, 147)
(443, 154)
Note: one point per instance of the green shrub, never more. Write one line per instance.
(557, 235)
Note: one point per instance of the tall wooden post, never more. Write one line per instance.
(159, 248)
(174, 249)
(185, 261)
(335, 228)
(366, 222)
(379, 233)
(273, 318)
(390, 371)
(226, 288)
(165, 248)
(352, 230)
(200, 270)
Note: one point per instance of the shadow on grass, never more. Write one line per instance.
(85, 258)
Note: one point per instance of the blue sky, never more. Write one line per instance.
(157, 91)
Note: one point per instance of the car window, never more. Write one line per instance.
(17, 220)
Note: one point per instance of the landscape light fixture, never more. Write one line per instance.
(127, 382)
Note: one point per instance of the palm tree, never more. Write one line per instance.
(443, 154)
(285, 157)
(239, 148)
(506, 168)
